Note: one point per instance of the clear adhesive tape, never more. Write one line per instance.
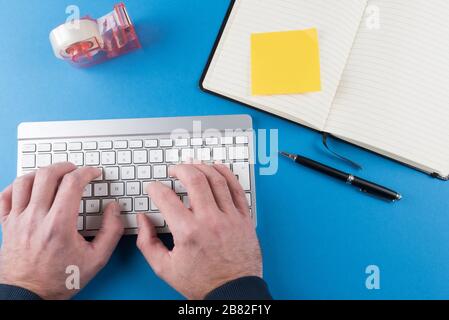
(71, 33)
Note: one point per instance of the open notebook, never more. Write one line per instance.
(385, 89)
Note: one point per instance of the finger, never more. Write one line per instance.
(198, 188)
(70, 192)
(21, 192)
(5, 203)
(219, 186)
(170, 206)
(151, 246)
(110, 233)
(237, 192)
(46, 183)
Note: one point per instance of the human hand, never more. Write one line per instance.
(215, 240)
(38, 213)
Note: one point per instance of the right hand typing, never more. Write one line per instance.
(215, 240)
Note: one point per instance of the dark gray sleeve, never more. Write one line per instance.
(8, 292)
(246, 288)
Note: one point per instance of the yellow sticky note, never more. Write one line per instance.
(285, 62)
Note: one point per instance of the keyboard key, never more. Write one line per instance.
(141, 204)
(136, 144)
(145, 184)
(77, 158)
(144, 172)
(43, 160)
(111, 173)
(196, 141)
(133, 188)
(105, 203)
(29, 148)
(28, 161)
(128, 173)
(241, 140)
(120, 144)
(117, 189)
(59, 157)
(92, 158)
(203, 154)
(108, 158)
(153, 206)
(129, 221)
(248, 198)
(186, 201)
(145, 187)
(25, 172)
(140, 156)
(187, 155)
(80, 223)
(105, 145)
(238, 153)
(126, 204)
(227, 140)
(211, 141)
(93, 206)
(75, 146)
(93, 222)
(87, 192)
(219, 154)
(179, 188)
(124, 157)
(100, 177)
(151, 143)
(167, 183)
(181, 142)
(157, 219)
(156, 156)
(44, 147)
(100, 190)
(90, 145)
(160, 172)
(81, 207)
(166, 143)
(59, 146)
(241, 170)
(172, 155)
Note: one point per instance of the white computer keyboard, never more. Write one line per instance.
(134, 152)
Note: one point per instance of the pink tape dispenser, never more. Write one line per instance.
(86, 42)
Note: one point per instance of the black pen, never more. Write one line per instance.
(363, 185)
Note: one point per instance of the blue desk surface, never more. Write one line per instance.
(317, 235)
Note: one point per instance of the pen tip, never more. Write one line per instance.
(287, 155)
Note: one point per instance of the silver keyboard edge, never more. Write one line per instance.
(119, 127)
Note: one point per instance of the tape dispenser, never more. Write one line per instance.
(86, 42)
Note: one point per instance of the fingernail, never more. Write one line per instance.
(115, 209)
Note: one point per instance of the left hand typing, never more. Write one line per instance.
(38, 213)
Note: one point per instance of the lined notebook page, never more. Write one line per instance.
(337, 24)
(394, 93)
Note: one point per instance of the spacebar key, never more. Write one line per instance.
(129, 221)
